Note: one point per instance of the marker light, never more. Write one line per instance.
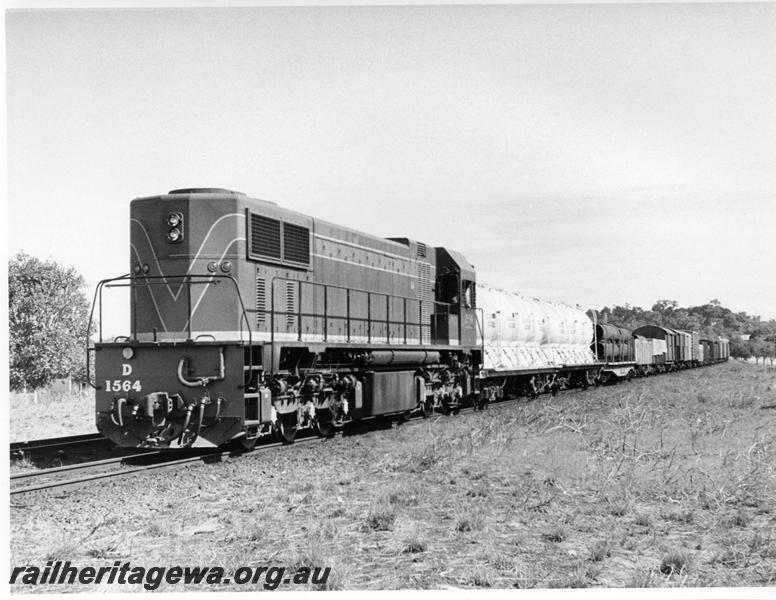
(174, 219)
(212, 266)
(226, 266)
(136, 269)
(174, 235)
(127, 352)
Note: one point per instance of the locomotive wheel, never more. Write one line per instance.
(324, 425)
(427, 408)
(285, 428)
(405, 416)
(445, 406)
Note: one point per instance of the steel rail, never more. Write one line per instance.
(56, 442)
(84, 466)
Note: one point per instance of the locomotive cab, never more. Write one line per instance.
(455, 321)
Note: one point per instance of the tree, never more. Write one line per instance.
(47, 321)
(770, 351)
(740, 349)
(665, 306)
(759, 349)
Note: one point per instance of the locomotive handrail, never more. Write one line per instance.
(482, 331)
(348, 317)
(134, 281)
(97, 290)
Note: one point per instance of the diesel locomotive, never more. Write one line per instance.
(248, 319)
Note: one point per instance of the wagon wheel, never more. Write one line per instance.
(533, 389)
(589, 380)
(324, 423)
(285, 428)
(456, 408)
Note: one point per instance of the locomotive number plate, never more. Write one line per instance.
(122, 385)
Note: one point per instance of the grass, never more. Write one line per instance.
(53, 415)
(662, 482)
(600, 550)
(674, 562)
(381, 518)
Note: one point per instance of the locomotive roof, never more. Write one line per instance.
(222, 193)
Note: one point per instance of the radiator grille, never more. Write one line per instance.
(425, 295)
(290, 305)
(296, 243)
(265, 236)
(261, 301)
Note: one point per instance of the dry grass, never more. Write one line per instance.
(52, 415)
(667, 481)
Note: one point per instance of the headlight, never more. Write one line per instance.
(226, 266)
(127, 352)
(174, 221)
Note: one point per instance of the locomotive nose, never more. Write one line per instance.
(170, 395)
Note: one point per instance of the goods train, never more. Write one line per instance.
(249, 319)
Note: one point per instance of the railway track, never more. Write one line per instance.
(65, 451)
(55, 444)
(123, 466)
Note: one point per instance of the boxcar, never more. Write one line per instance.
(668, 336)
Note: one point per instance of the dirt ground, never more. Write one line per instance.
(665, 481)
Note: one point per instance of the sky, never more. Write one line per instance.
(594, 154)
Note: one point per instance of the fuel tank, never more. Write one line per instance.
(521, 332)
